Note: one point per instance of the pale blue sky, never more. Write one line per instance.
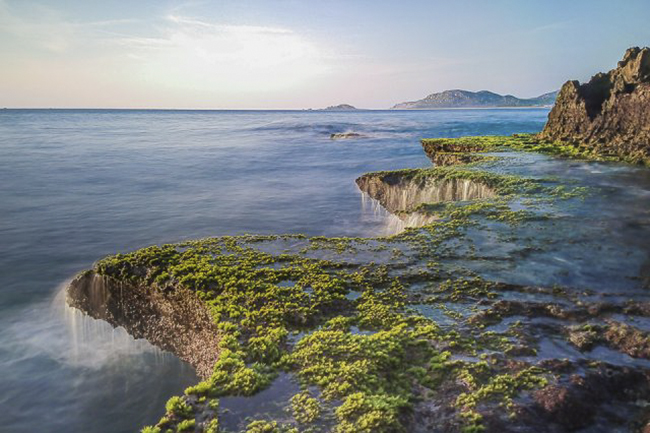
(301, 53)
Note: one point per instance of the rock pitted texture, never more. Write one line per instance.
(610, 113)
(175, 321)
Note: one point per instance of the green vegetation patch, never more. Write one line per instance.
(344, 329)
(437, 148)
(363, 361)
(501, 184)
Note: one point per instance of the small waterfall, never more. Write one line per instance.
(373, 210)
(95, 341)
(65, 334)
(417, 219)
(391, 200)
(404, 194)
(408, 195)
(390, 223)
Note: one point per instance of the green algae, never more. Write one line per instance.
(502, 184)
(255, 314)
(366, 360)
(503, 387)
(264, 426)
(524, 143)
(305, 408)
(366, 353)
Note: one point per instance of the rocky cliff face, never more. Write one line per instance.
(401, 195)
(610, 113)
(176, 321)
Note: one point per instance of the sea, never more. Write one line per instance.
(77, 185)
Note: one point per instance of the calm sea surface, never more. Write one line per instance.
(76, 185)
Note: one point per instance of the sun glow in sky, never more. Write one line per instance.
(300, 54)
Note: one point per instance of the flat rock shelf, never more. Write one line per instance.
(501, 306)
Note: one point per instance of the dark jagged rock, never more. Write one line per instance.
(565, 406)
(597, 397)
(610, 113)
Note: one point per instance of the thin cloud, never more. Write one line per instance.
(216, 57)
(48, 29)
(193, 22)
(552, 26)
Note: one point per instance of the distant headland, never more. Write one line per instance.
(484, 99)
(458, 98)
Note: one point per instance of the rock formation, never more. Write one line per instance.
(176, 321)
(399, 193)
(610, 114)
(345, 135)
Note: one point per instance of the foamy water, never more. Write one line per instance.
(70, 337)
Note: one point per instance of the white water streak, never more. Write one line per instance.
(67, 335)
(392, 224)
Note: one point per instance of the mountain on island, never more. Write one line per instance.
(465, 99)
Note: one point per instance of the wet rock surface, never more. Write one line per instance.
(443, 152)
(471, 323)
(610, 114)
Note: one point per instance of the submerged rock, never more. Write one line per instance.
(610, 114)
(386, 334)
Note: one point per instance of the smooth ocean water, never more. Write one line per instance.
(76, 185)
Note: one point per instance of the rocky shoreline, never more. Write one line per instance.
(381, 334)
(421, 331)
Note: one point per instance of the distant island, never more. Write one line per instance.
(340, 107)
(484, 99)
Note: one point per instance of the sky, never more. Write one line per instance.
(295, 54)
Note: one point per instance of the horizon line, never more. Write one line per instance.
(272, 109)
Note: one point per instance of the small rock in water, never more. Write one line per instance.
(345, 135)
